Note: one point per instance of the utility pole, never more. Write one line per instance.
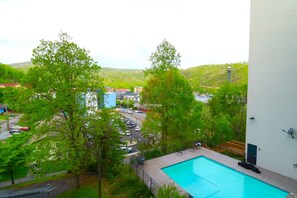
(229, 69)
(7, 118)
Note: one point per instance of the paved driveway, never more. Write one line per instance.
(4, 134)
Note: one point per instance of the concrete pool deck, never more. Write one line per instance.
(153, 168)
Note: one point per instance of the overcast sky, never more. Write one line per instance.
(124, 33)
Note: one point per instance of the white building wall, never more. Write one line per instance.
(272, 88)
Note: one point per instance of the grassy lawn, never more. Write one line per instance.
(4, 116)
(20, 172)
(86, 191)
(37, 181)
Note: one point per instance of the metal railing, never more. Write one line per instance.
(146, 178)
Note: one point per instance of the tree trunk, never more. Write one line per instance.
(11, 177)
(99, 174)
(77, 180)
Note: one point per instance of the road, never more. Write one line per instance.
(138, 118)
(4, 134)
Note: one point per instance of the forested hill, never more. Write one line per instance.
(122, 78)
(215, 75)
(200, 77)
(9, 74)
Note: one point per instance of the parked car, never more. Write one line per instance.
(17, 127)
(127, 133)
(130, 111)
(14, 131)
(126, 148)
(137, 128)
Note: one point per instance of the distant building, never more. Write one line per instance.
(95, 100)
(271, 135)
(202, 97)
(16, 85)
(137, 89)
(110, 99)
(109, 89)
(91, 102)
(132, 96)
(121, 90)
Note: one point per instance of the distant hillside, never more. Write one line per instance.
(212, 76)
(10, 75)
(23, 66)
(200, 77)
(122, 78)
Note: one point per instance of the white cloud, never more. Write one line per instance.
(124, 33)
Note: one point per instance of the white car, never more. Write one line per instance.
(137, 128)
(127, 132)
(126, 148)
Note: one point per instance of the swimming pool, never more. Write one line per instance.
(203, 177)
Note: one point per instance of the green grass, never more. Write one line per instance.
(19, 172)
(55, 166)
(86, 191)
(37, 180)
(2, 117)
(22, 171)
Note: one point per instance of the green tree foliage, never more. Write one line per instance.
(1, 96)
(169, 96)
(13, 98)
(62, 73)
(103, 130)
(103, 133)
(224, 118)
(170, 99)
(128, 184)
(128, 103)
(13, 153)
(9, 74)
(163, 59)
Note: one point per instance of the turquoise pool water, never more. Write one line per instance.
(203, 177)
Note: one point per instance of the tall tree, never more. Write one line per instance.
(13, 153)
(169, 96)
(229, 104)
(103, 130)
(164, 58)
(63, 71)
